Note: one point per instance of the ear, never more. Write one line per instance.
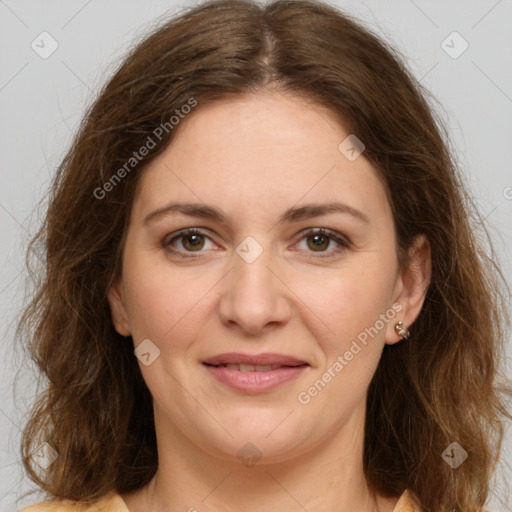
(115, 297)
(411, 287)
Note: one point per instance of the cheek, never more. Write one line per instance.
(351, 345)
(346, 302)
(163, 301)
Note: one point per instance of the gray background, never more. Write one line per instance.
(42, 100)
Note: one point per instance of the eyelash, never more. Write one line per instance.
(342, 241)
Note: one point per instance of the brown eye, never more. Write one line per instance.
(318, 242)
(187, 241)
(320, 239)
(192, 242)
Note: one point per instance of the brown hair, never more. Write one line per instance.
(442, 385)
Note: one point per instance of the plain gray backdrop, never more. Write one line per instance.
(43, 95)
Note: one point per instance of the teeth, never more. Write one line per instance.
(266, 368)
(251, 367)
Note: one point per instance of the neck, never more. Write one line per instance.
(328, 478)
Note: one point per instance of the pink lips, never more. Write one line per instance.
(256, 359)
(254, 374)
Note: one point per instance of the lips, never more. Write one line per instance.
(251, 367)
(254, 373)
(253, 362)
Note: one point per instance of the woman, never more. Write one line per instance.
(262, 289)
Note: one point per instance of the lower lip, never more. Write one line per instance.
(255, 382)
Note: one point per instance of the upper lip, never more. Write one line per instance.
(254, 359)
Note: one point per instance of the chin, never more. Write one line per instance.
(271, 440)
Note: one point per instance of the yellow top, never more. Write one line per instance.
(113, 502)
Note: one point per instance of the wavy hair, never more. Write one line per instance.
(444, 384)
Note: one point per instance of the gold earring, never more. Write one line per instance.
(402, 330)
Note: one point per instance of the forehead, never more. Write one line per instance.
(261, 153)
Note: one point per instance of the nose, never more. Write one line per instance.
(255, 296)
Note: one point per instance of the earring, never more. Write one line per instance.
(402, 330)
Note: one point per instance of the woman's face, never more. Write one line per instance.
(252, 281)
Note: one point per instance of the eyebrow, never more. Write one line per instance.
(291, 215)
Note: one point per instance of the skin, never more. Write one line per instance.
(254, 157)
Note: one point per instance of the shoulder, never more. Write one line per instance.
(407, 502)
(112, 502)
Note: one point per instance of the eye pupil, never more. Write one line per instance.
(197, 241)
(319, 241)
